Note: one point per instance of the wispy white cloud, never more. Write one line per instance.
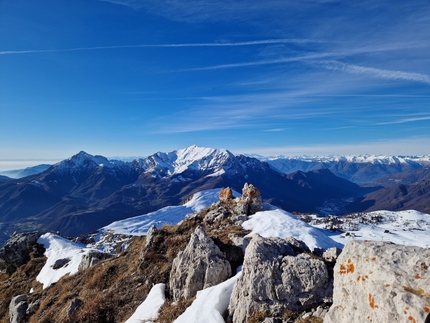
(375, 72)
(275, 130)
(214, 44)
(318, 59)
(404, 120)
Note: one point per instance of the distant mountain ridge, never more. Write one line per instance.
(359, 169)
(28, 171)
(85, 192)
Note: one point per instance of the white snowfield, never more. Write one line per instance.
(148, 310)
(279, 223)
(59, 248)
(402, 227)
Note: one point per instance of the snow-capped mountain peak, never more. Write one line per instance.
(191, 158)
(85, 160)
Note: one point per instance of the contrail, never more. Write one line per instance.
(227, 44)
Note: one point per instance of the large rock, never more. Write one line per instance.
(381, 282)
(250, 202)
(93, 257)
(275, 279)
(199, 266)
(17, 309)
(16, 251)
(150, 235)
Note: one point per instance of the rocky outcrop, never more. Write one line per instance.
(17, 309)
(150, 235)
(16, 251)
(250, 202)
(331, 254)
(381, 282)
(226, 194)
(75, 305)
(276, 278)
(199, 266)
(93, 257)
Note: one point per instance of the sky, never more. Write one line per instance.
(125, 78)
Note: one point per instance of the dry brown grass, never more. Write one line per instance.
(170, 310)
(257, 316)
(20, 282)
(289, 315)
(110, 291)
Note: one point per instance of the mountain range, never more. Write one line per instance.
(86, 192)
(359, 169)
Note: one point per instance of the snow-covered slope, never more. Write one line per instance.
(139, 225)
(403, 227)
(210, 303)
(148, 310)
(58, 248)
(279, 223)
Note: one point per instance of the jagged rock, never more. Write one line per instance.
(217, 214)
(331, 254)
(250, 202)
(239, 219)
(275, 278)
(16, 251)
(297, 245)
(59, 263)
(241, 242)
(17, 309)
(149, 241)
(92, 258)
(33, 307)
(200, 265)
(75, 304)
(381, 282)
(226, 194)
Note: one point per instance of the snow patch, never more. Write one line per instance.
(59, 248)
(140, 225)
(210, 303)
(148, 310)
(282, 224)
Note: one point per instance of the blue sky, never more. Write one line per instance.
(133, 77)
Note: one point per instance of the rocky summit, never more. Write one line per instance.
(207, 268)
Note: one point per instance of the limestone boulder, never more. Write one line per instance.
(149, 242)
(93, 257)
(200, 265)
(17, 309)
(275, 278)
(381, 282)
